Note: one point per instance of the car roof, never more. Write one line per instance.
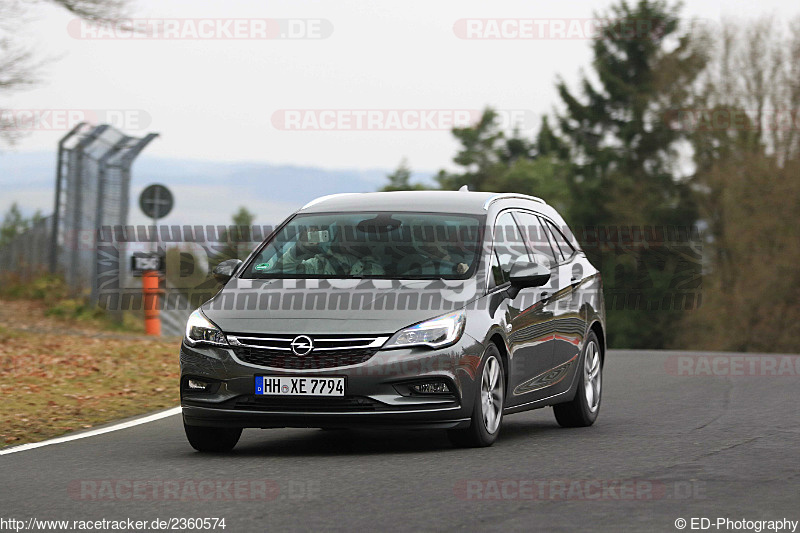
(466, 202)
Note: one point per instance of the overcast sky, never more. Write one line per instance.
(224, 99)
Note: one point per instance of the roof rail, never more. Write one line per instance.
(509, 195)
(321, 199)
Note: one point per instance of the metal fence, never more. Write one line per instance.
(93, 175)
(28, 253)
(92, 190)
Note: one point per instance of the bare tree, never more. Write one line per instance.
(747, 187)
(16, 71)
(755, 70)
(19, 66)
(94, 10)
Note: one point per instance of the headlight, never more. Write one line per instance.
(200, 329)
(436, 332)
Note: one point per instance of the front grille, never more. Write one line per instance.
(329, 351)
(257, 356)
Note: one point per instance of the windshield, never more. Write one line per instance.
(371, 245)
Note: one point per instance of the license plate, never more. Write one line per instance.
(299, 386)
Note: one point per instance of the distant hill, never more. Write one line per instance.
(206, 192)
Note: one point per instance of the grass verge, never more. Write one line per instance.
(57, 302)
(59, 375)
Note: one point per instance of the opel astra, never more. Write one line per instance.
(423, 309)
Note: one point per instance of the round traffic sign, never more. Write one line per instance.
(156, 201)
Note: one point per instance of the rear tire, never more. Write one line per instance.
(212, 440)
(487, 412)
(582, 411)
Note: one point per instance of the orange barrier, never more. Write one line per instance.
(151, 291)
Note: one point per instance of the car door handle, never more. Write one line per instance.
(575, 281)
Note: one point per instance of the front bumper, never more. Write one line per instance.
(376, 391)
(234, 418)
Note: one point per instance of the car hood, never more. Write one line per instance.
(333, 306)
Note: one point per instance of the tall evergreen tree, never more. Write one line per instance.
(490, 160)
(480, 154)
(624, 161)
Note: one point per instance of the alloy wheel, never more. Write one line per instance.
(492, 395)
(592, 376)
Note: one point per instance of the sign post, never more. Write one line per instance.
(156, 202)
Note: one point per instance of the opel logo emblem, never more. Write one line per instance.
(302, 345)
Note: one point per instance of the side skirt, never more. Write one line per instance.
(560, 397)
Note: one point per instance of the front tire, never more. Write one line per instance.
(212, 440)
(582, 411)
(487, 412)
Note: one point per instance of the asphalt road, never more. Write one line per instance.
(664, 447)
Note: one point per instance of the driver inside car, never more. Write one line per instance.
(315, 254)
(437, 250)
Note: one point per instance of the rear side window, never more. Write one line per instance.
(560, 241)
(537, 237)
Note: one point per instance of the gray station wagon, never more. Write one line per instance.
(423, 309)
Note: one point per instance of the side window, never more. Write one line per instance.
(566, 248)
(536, 236)
(508, 247)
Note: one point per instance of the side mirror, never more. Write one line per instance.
(525, 274)
(224, 271)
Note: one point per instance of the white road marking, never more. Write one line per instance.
(94, 432)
